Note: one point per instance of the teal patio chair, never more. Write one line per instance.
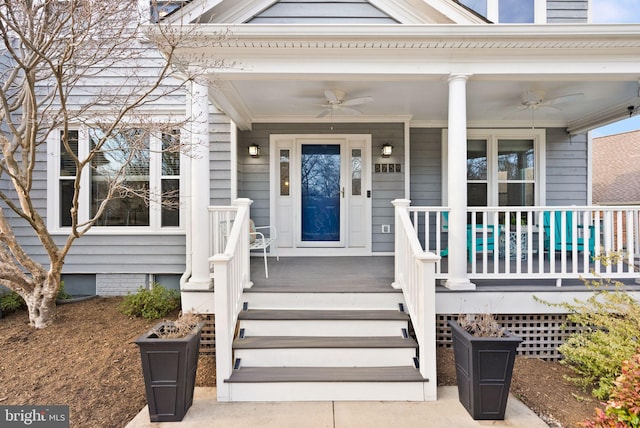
(557, 228)
(493, 238)
(481, 245)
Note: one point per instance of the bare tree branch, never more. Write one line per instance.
(64, 66)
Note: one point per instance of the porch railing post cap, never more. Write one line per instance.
(242, 201)
(401, 202)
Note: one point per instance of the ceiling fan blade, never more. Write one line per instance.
(549, 106)
(357, 101)
(350, 110)
(324, 113)
(562, 99)
(334, 95)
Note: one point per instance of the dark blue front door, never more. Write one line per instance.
(320, 173)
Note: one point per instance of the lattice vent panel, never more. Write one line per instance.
(208, 337)
(541, 333)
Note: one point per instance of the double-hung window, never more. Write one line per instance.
(504, 167)
(134, 181)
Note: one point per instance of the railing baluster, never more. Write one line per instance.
(552, 242)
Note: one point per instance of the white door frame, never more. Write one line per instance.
(288, 242)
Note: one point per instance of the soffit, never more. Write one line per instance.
(280, 72)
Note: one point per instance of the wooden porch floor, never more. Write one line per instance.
(376, 272)
(331, 273)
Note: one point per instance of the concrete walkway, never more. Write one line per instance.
(447, 412)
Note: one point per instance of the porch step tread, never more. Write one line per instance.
(287, 314)
(324, 288)
(285, 342)
(325, 374)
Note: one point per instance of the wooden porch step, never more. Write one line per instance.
(325, 374)
(343, 315)
(286, 342)
(324, 288)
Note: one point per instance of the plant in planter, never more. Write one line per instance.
(484, 356)
(169, 353)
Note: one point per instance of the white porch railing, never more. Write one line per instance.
(415, 276)
(229, 259)
(538, 242)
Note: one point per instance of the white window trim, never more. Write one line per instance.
(155, 177)
(492, 136)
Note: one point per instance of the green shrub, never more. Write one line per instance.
(62, 293)
(150, 304)
(11, 302)
(623, 407)
(608, 323)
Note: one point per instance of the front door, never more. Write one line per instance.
(320, 193)
(321, 203)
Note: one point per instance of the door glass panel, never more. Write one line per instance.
(356, 172)
(320, 172)
(284, 172)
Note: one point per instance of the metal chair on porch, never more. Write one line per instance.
(258, 241)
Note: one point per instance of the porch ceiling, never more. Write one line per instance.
(280, 74)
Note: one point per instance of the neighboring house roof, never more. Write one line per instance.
(616, 169)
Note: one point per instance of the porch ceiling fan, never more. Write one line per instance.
(535, 99)
(337, 102)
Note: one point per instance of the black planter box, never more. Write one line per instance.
(484, 366)
(169, 367)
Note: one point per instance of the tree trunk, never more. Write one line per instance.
(41, 304)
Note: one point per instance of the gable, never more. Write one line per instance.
(322, 12)
(350, 12)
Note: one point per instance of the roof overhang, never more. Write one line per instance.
(601, 61)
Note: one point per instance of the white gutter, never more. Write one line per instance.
(412, 31)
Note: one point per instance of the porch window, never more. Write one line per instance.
(503, 167)
(516, 173)
(477, 177)
(146, 195)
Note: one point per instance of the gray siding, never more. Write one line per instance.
(567, 168)
(124, 254)
(322, 12)
(253, 174)
(102, 253)
(567, 11)
(219, 159)
(426, 167)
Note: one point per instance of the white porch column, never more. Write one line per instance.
(457, 183)
(199, 197)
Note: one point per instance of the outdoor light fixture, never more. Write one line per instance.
(387, 149)
(254, 150)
